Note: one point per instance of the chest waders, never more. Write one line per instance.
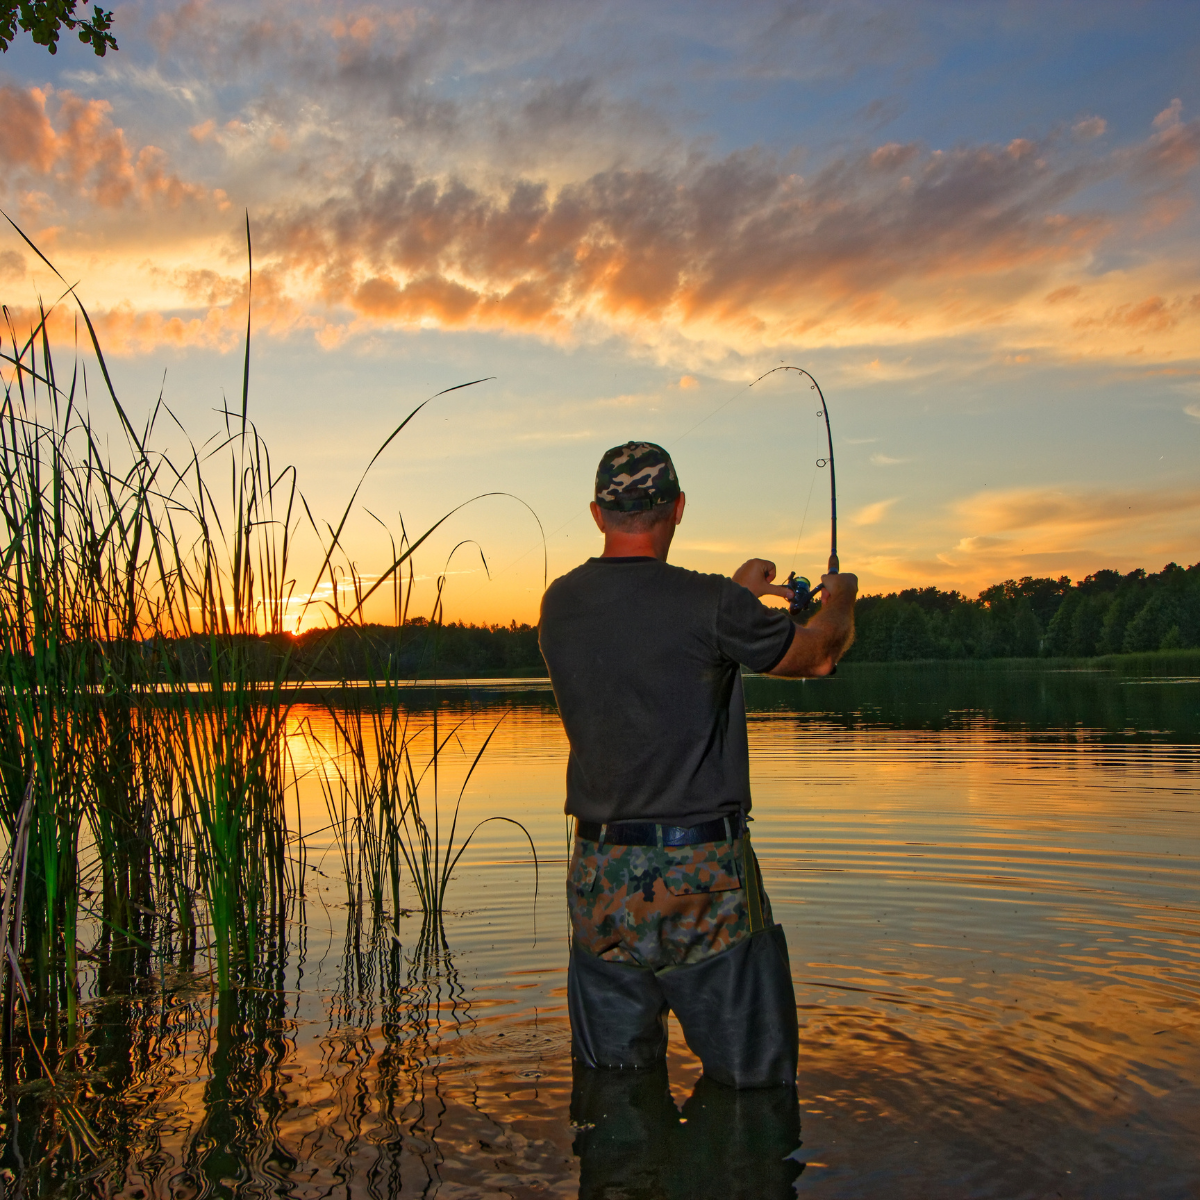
(737, 1008)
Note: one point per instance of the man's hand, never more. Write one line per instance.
(819, 644)
(840, 589)
(756, 575)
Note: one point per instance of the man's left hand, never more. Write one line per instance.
(756, 576)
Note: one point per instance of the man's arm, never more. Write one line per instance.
(817, 646)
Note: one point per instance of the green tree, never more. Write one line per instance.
(43, 20)
(1026, 631)
(1060, 631)
(1087, 625)
(910, 637)
(1150, 626)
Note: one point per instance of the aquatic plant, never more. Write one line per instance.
(145, 685)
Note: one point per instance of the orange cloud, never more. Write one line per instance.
(26, 136)
(82, 153)
(1073, 513)
(1175, 147)
(877, 240)
(892, 245)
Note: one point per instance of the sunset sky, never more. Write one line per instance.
(975, 224)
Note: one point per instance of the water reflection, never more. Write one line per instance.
(633, 1142)
(990, 888)
(1149, 699)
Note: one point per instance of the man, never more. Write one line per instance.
(667, 908)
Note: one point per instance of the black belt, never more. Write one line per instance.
(646, 833)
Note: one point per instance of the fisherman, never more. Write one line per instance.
(668, 910)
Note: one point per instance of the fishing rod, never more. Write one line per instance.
(800, 587)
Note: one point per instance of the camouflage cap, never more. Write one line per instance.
(635, 477)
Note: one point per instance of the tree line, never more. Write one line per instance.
(1105, 613)
(419, 649)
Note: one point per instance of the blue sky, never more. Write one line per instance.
(974, 223)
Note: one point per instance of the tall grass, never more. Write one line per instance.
(385, 802)
(145, 685)
(382, 794)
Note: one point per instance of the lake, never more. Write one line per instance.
(988, 879)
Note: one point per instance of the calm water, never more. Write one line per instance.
(988, 878)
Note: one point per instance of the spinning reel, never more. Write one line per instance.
(802, 592)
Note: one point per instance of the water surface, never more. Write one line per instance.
(987, 876)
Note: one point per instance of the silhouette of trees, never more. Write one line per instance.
(1106, 613)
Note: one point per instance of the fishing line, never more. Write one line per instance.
(802, 591)
(812, 482)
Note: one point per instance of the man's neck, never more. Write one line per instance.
(635, 545)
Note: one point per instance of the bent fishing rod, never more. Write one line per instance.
(800, 587)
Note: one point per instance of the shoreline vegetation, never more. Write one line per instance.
(1139, 615)
(1106, 615)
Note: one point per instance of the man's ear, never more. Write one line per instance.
(598, 516)
(679, 506)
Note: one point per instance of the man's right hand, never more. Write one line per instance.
(756, 575)
(840, 589)
(817, 645)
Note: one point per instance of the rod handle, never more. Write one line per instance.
(833, 565)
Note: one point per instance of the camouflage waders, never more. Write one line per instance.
(686, 929)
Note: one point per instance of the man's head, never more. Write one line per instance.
(637, 497)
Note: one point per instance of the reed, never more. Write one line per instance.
(385, 803)
(145, 687)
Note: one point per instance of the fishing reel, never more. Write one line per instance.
(802, 592)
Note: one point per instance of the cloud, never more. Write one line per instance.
(1192, 410)
(738, 248)
(80, 153)
(872, 514)
(972, 545)
(397, 191)
(1174, 148)
(1170, 117)
(1089, 127)
(882, 460)
(12, 264)
(26, 136)
(1074, 513)
(688, 381)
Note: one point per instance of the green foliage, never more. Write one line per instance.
(1106, 613)
(419, 649)
(43, 20)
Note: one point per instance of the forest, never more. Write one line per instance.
(1105, 613)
